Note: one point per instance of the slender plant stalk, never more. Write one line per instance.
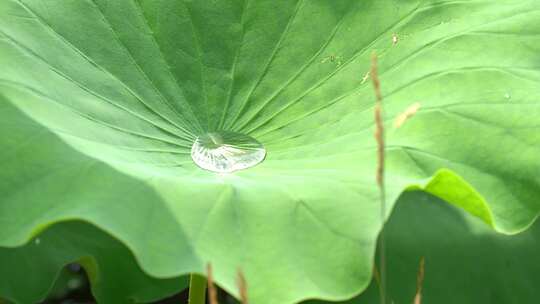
(376, 274)
(242, 287)
(197, 289)
(419, 282)
(379, 136)
(212, 292)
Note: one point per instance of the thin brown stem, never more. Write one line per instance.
(377, 277)
(379, 137)
(419, 282)
(379, 127)
(242, 287)
(212, 291)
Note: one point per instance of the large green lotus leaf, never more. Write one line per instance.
(128, 85)
(28, 271)
(465, 261)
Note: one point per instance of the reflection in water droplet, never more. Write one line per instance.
(226, 152)
(507, 96)
(37, 241)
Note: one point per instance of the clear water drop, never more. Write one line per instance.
(226, 151)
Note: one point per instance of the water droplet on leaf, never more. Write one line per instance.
(226, 152)
(37, 241)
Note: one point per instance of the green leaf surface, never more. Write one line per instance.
(115, 92)
(465, 261)
(29, 271)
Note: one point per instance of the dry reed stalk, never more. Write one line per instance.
(379, 127)
(377, 276)
(379, 137)
(419, 282)
(212, 292)
(242, 287)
